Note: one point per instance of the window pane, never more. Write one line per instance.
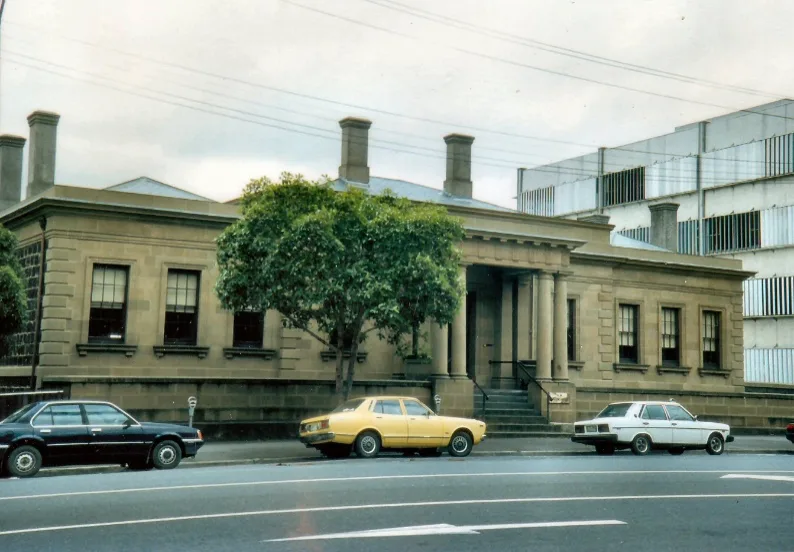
(249, 329)
(677, 413)
(108, 314)
(627, 333)
(413, 408)
(670, 337)
(654, 412)
(66, 415)
(182, 291)
(711, 339)
(44, 418)
(391, 408)
(103, 414)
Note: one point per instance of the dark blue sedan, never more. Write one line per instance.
(59, 433)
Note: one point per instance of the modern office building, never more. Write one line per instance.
(729, 182)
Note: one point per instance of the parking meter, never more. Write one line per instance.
(437, 400)
(191, 409)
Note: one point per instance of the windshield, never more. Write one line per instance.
(614, 411)
(19, 414)
(348, 406)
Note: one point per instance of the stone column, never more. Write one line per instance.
(560, 327)
(273, 329)
(523, 343)
(439, 342)
(543, 371)
(504, 372)
(458, 349)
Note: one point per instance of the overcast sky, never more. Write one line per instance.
(218, 92)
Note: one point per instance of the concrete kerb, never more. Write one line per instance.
(192, 464)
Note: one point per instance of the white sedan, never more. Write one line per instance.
(645, 425)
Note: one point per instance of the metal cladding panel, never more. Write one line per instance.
(538, 202)
(769, 296)
(688, 237)
(734, 164)
(769, 366)
(642, 233)
(574, 197)
(777, 226)
(676, 176)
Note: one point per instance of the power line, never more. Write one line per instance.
(528, 66)
(559, 50)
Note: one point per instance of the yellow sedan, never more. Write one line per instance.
(371, 424)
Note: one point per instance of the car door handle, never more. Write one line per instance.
(46, 431)
(96, 429)
(645, 423)
(675, 424)
(378, 417)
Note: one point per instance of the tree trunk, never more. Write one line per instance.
(340, 344)
(415, 341)
(351, 368)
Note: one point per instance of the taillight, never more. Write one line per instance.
(790, 427)
(200, 435)
(324, 424)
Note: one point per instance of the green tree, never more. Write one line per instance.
(12, 292)
(340, 265)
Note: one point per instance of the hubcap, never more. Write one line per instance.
(459, 444)
(368, 444)
(167, 455)
(716, 445)
(642, 445)
(25, 462)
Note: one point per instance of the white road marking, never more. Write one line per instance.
(369, 478)
(760, 477)
(446, 529)
(426, 504)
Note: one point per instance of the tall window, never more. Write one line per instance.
(627, 334)
(671, 337)
(711, 339)
(249, 329)
(733, 232)
(571, 329)
(181, 307)
(108, 316)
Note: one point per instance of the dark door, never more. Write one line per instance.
(114, 436)
(66, 436)
(471, 334)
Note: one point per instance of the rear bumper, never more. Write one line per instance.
(192, 447)
(310, 440)
(601, 439)
(790, 437)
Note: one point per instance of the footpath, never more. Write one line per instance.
(230, 453)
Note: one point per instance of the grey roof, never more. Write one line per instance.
(619, 240)
(416, 192)
(149, 186)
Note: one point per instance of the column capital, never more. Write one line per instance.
(562, 274)
(545, 275)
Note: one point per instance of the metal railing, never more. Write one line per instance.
(11, 401)
(520, 382)
(485, 396)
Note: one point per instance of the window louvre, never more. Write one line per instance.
(642, 233)
(624, 186)
(735, 232)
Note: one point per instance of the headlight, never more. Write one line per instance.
(603, 428)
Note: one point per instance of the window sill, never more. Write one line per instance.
(331, 355)
(84, 348)
(624, 367)
(575, 365)
(714, 372)
(162, 350)
(684, 370)
(266, 354)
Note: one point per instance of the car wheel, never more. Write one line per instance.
(715, 445)
(460, 444)
(166, 455)
(335, 451)
(430, 453)
(676, 451)
(24, 461)
(368, 445)
(641, 445)
(605, 450)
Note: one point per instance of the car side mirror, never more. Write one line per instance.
(696, 418)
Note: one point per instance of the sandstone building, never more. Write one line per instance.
(120, 283)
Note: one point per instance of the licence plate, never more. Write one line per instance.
(591, 429)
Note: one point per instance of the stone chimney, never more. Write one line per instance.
(664, 225)
(458, 182)
(11, 150)
(355, 145)
(41, 157)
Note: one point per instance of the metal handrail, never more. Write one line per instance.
(485, 396)
(536, 382)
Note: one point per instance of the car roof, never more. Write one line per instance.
(384, 397)
(671, 401)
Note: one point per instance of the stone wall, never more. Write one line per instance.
(230, 408)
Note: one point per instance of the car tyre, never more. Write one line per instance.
(460, 444)
(24, 461)
(676, 451)
(166, 455)
(641, 445)
(335, 451)
(715, 445)
(140, 465)
(367, 444)
(605, 450)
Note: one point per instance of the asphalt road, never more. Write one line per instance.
(658, 502)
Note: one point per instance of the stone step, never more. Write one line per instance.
(534, 418)
(525, 411)
(506, 392)
(500, 400)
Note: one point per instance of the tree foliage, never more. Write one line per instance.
(340, 264)
(12, 292)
